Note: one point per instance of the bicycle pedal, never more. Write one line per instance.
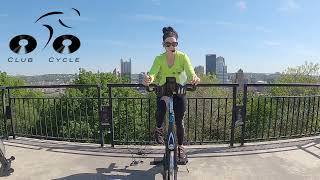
(134, 163)
(12, 158)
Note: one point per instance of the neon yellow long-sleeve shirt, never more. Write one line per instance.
(182, 69)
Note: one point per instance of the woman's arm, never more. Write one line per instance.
(188, 68)
(154, 69)
(190, 71)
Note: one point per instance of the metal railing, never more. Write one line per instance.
(124, 118)
(207, 119)
(59, 118)
(269, 117)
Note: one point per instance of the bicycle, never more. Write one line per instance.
(170, 160)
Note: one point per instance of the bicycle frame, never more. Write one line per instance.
(170, 164)
(170, 160)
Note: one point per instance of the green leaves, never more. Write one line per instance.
(307, 73)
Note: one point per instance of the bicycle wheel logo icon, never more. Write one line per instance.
(17, 47)
(24, 44)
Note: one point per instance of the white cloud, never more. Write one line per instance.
(272, 43)
(242, 5)
(289, 5)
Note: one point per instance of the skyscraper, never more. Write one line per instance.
(210, 64)
(221, 70)
(126, 68)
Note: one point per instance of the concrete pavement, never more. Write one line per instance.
(297, 159)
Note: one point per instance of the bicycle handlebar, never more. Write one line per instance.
(153, 87)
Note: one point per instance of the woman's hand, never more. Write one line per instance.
(147, 80)
(195, 80)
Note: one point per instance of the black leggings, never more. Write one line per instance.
(179, 107)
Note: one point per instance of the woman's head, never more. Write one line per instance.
(170, 37)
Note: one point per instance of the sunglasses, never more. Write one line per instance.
(168, 44)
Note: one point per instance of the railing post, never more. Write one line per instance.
(11, 115)
(3, 96)
(100, 116)
(244, 112)
(234, 114)
(111, 116)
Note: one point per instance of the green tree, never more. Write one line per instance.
(308, 73)
(286, 110)
(22, 106)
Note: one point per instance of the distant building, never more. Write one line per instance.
(199, 70)
(116, 72)
(137, 78)
(221, 70)
(240, 79)
(126, 68)
(210, 64)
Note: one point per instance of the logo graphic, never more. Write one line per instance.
(24, 44)
(15, 44)
(60, 48)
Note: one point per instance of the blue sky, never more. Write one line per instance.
(257, 36)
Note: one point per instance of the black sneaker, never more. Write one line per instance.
(182, 153)
(158, 135)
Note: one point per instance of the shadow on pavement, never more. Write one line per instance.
(113, 172)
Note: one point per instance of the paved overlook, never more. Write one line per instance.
(294, 159)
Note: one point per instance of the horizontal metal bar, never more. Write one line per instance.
(128, 98)
(153, 142)
(57, 138)
(199, 85)
(84, 98)
(141, 85)
(209, 98)
(55, 86)
(286, 85)
(54, 98)
(187, 98)
(285, 96)
(281, 137)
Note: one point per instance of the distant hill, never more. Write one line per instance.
(255, 77)
(48, 79)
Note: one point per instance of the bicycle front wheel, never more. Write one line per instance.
(173, 170)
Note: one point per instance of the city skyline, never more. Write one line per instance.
(257, 36)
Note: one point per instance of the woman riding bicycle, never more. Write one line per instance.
(172, 63)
